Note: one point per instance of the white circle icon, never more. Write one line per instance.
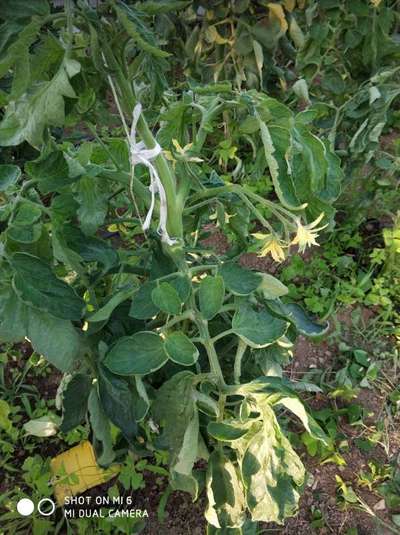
(45, 501)
(25, 507)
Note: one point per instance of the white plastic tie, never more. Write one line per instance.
(140, 154)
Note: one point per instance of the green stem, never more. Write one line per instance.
(128, 101)
(208, 344)
(188, 314)
(221, 335)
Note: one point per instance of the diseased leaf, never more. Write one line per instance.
(271, 470)
(41, 427)
(226, 502)
(271, 287)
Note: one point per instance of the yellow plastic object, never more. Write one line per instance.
(76, 470)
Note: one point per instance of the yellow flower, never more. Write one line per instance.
(306, 234)
(183, 153)
(272, 245)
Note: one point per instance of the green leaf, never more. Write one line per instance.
(296, 315)
(20, 9)
(139, 354)
(228, 430)
(52, 172)
(17, 58)
(211, 296)
(56, 339)
(106, 310)
(93, 204)
(166, 298)
(280, 184)
(271, 287)
(142, 402)
(239, 280)
(175, 409)
(36, 285)
(162, 6)
(142, 307)
(117, 402)
(91, 249)
(25, 227)
(313, 153)
(226, 502)
(9, 175)
(180, 349)
(134, 32)
(182, 285)
(26, 118)
(101, 430)
(5, 422)
(74, 401)
(296, 406)
(257, 328)
(13, 317)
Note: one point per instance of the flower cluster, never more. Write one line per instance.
(306, 236)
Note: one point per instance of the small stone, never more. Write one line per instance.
(379, 506)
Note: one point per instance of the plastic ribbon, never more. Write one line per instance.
(140, 154)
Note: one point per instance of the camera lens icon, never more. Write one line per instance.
(25, 507)
(45, 507)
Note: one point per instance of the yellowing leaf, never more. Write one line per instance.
(276, 11)
(259, 55)
(296, 33)
(289, 5)
(213, 36)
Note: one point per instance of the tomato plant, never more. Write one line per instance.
(103, 268)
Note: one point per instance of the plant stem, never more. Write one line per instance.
(128, 101)
(221, 335)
